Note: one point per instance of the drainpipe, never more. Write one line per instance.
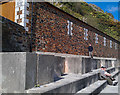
(31, 28)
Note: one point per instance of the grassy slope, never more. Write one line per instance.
(98, 19)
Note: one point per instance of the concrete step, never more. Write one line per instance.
(96, 87)
(113, 90)
(70, 83)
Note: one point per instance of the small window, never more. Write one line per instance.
(115, 45)
(85, 34)
(70, 28)
(110, 44)
(104, 41)
(96, 38)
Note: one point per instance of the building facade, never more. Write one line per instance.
(7, 9)
(52, 30)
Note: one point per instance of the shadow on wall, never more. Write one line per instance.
(14, 37)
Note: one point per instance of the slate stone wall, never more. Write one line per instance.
(14, 36)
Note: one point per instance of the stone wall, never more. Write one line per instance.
(14, 36)
(50, 33)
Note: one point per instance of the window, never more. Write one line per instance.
(96, 38)
(85, 34)
(104, 41)
(115, 45)
(70, 28)
(110, 44)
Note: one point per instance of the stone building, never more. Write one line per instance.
(50, 29)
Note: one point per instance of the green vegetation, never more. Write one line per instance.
(95, 16)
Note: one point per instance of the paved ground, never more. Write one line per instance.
(112, 89)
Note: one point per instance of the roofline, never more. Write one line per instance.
(85, 23)
(6, 1)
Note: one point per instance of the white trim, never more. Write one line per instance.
(16, 16)
(70, 28)
(25, 12)
(22, 16)
(104, 41)
(85, 34)
(22, 24)
(22, 7)
(96, 38)
(115, 45)
(22, 4)
(26, 28)
(110, 43)
(16, 8)
(16, 20)
(27, 20)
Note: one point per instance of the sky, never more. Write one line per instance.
(110, 6)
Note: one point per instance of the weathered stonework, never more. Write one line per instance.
(50, 33)
(14, 37)
(54, 30)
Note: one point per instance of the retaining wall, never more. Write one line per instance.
(21, 70)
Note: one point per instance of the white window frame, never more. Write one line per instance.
(115, 45)
(85, 34)
(96, 38)
(110, 43)
(70, 28)
(104, 41)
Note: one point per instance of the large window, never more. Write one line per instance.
(85, 34)
(110, 44)
(96, 38)
(70, 28)
(104, 41)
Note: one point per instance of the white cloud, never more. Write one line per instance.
(113, 9)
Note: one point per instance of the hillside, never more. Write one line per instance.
(92, 15)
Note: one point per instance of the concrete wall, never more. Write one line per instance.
(31, 70)
(13, 72)
(0, 34)
(21, 71)
(50, 67)
(18, 71)
(0, 71)
(73, 65)
(83, 65)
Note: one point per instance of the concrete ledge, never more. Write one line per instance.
(96, 87)
(22, 71)
(82, 64)
(71, 55)
(70, 83)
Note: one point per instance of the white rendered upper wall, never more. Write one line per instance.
(21, 5)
